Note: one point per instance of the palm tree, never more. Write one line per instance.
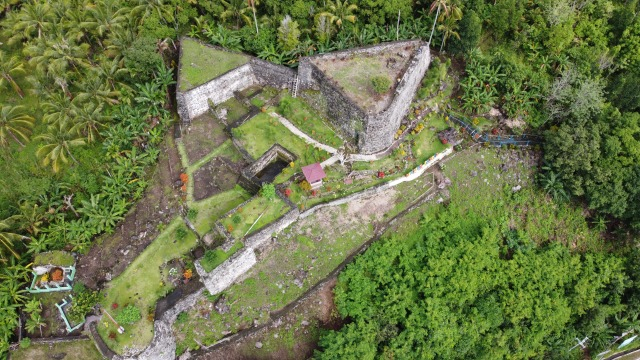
(106, 16)
(95, 89)
(8, 238)
(89, 120)
(33, 17)
(252, 4)
(110, 70)
(339, 12)
(58, 142)
(58, 108)
(146, 8)
(235, 9)
(437, 5)
(8, 68)
(15, 124)
(449, 26)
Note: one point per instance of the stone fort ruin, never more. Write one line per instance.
(339, 84)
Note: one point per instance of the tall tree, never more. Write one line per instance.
(340, 11)
(10, 66)
(14, 124)
(57, 144)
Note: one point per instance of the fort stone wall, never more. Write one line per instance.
(380, 128)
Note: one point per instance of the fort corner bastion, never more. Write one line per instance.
(341, 80)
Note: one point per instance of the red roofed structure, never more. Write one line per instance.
(314, 175)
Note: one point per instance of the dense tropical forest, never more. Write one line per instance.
(86, 99)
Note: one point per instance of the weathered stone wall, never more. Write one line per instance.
(226, 273)
(380, 128)
(195, 102)
(341, 111)
(260, 237)
(271, 74)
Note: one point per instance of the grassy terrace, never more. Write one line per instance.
(79, 349)
(142, 284)
(56, 257)
(307, 120)
(241, 222)
(304, 254)
(235, 109)
(262, 131)
(202, 63)
(210, 210)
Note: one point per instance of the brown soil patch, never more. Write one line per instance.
(111, 254)
(212, 178)
(203, 135)
(303, 323)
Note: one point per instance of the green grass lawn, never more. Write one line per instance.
(201, 63)
(142, 284)
(262, 131)
(78, 349)
(56, 257)
(235, 109)
(307, 120)
(209, 210)
(244, 218)
(213, 258)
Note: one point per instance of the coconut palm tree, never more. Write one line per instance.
(236, 10)
(9, 239)
(146, 8)
(339, 12)
(33, 17)
(96, 90)
(449, 26)
(57, 108)
(88, 120)
(437, 6)
(14, 124)
(58, 142)
(10, 66)
(106, 16)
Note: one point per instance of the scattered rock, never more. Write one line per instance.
(304, 323)
(298, 283)
(221, 305)
(516, 188)
(474, 173)
(107, 276)
(258, 345)
(440, 200)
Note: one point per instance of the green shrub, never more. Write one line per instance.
(268, 191)
(128, 315)
(192, 214)
(236, 219)
(25, 343)
(381, 84)
(83, 302)
(212, 258)
(182, 317)
(285, 107)
(181, 233)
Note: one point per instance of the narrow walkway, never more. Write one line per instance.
(302, 135)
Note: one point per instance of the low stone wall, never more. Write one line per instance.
(380, 128)
(195, 102)
(260, 237)
(271, 74)
(226, 273)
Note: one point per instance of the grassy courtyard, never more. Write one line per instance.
(306, 119)
(201, 63)
(262, 131)
(260, 209)
(141, 285)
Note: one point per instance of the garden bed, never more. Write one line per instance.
(204, 134)
(213, 258)
(213, 178)
(57, 257)
(76, 349)
(209, 211)
(241, 222)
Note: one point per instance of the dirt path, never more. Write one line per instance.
(111, 254)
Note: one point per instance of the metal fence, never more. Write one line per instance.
(497, 140)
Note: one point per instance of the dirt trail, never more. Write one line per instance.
(111, 254)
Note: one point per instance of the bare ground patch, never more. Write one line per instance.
(203, 135)
(212, 178)
(111, 254)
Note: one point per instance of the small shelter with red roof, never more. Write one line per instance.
(314, 174)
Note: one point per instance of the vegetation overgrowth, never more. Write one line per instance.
(86, 90)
